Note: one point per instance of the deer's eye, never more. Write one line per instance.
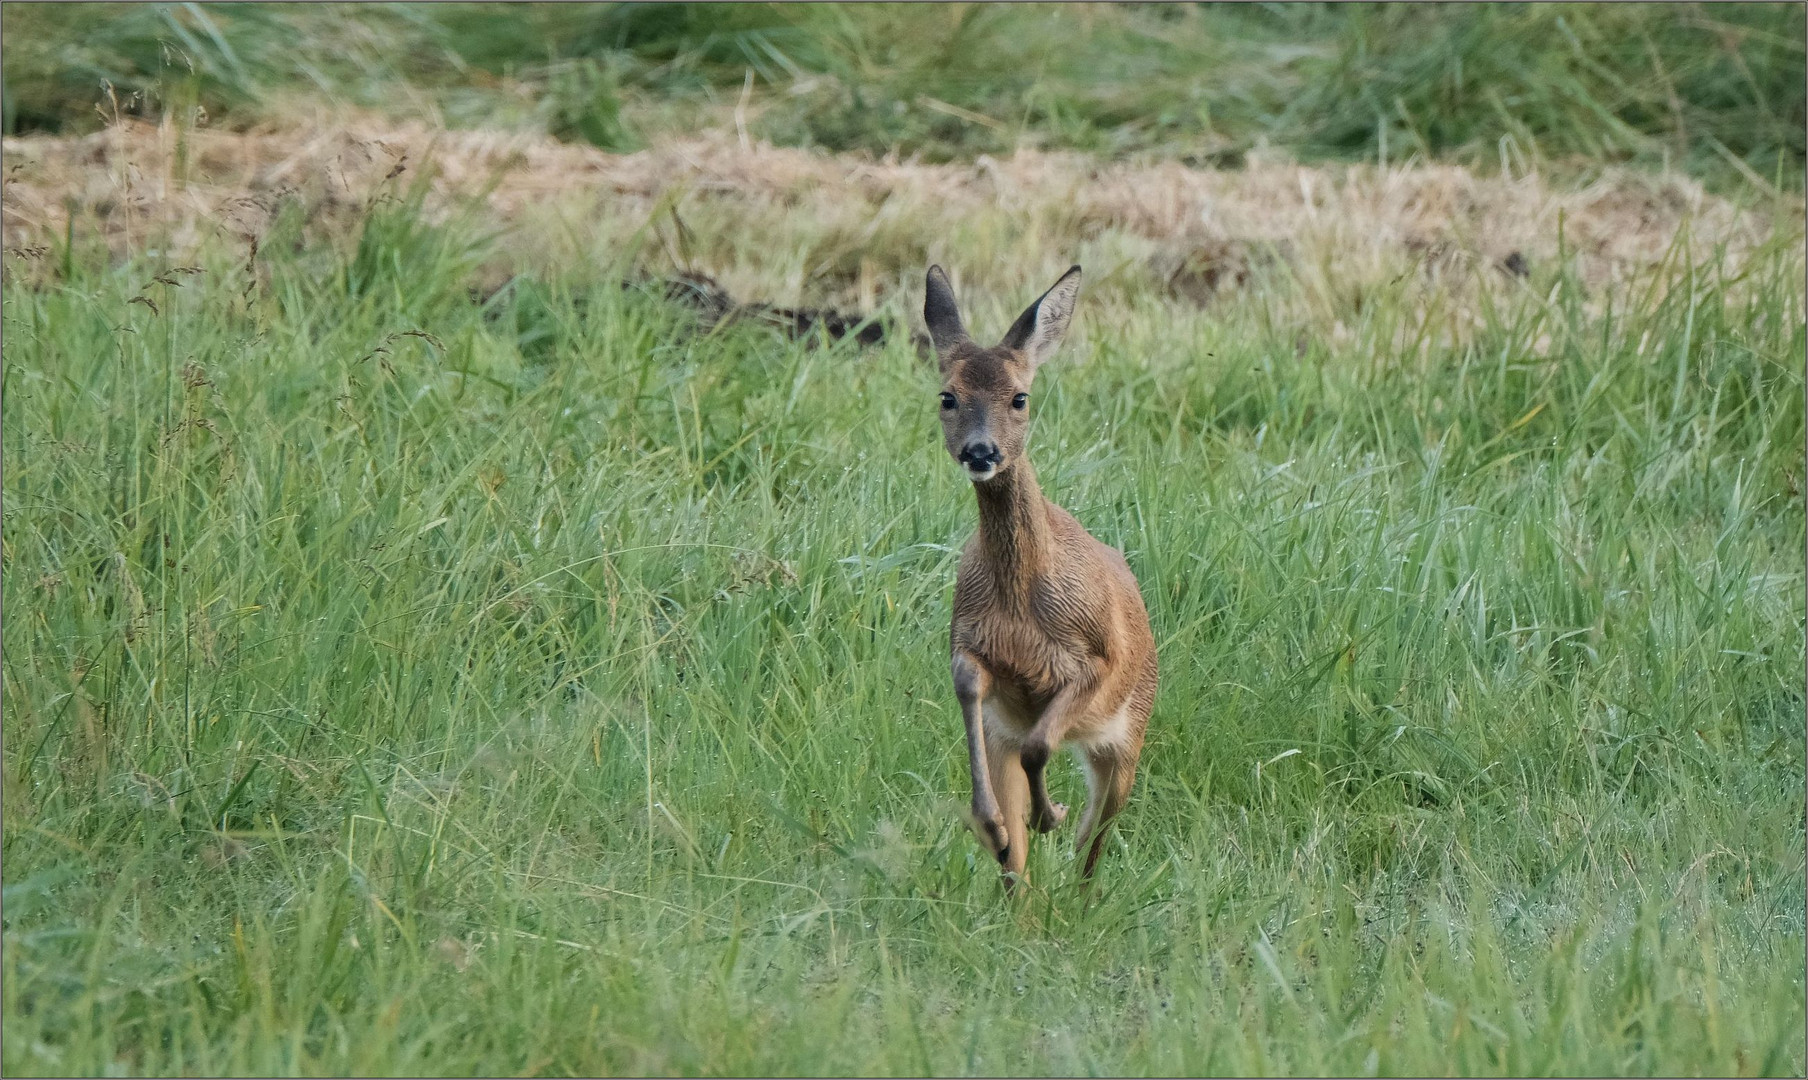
(1021, 401)
(948, 401)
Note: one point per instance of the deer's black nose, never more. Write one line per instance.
(980, 455)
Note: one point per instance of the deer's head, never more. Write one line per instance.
(986, 392)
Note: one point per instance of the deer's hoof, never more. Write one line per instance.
(992, 832)
(1050, 821)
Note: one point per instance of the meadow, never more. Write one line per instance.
(430, 648)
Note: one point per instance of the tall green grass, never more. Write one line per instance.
(1718, 88)
(400, 685)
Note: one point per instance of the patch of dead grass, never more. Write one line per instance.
(857, 230)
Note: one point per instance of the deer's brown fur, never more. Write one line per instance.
(1050, 642)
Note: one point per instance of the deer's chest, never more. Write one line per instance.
(1033, 644)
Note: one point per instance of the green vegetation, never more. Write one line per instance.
(1716, 88)
(401, 684)
(404, 675)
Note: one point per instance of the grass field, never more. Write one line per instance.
(423, 655)
(1715, 87)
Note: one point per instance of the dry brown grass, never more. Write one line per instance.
(858, 230)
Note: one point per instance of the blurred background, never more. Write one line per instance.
(1713, 89)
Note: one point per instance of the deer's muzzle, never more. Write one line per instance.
(981, 458)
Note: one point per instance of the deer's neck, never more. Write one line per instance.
(1013, 525)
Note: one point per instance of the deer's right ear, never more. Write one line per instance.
(1044, 323)
(941, 313)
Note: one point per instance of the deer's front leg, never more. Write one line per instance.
(971, 684)
(1041, 743)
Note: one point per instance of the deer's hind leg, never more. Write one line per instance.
(1110, 772)
(1012, 788)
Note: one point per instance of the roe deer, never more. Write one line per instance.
(1050, 639)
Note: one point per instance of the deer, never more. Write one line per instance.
(1050, 642)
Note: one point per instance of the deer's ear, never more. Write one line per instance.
(1040, 328)
(941, 313)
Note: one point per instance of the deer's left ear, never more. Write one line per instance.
(940, 313)
(1040, 328)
